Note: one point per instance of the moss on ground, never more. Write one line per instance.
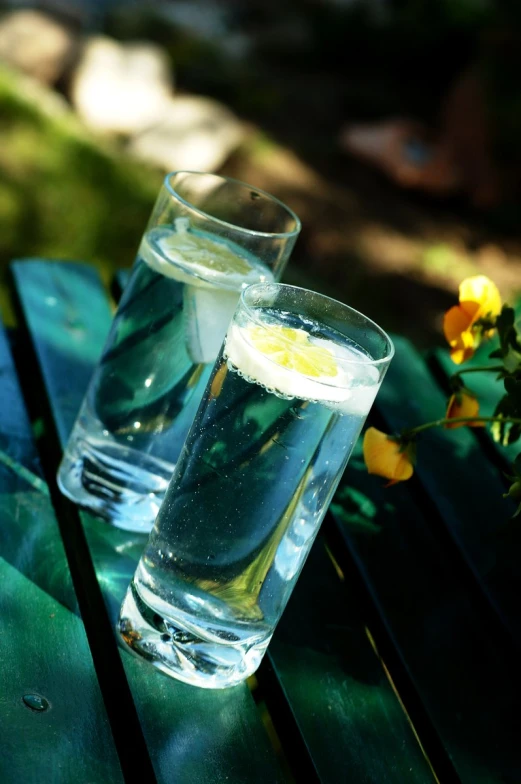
(63, 194)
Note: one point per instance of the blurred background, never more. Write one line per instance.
(392, 127)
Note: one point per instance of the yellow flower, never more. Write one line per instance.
(478, 298)
(386, 457)
(462, 404)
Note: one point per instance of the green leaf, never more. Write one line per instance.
(509, 407)
(509, 339)
(505, 322)
(512, 360)
(514, 434)
(497, 432)
(513, 390)
(456, 383)
(500, 429)
(514, 491)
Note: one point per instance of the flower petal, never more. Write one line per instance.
(383, 457)
(479, 291)
(455, 321)
(463, 405)
(464, 347)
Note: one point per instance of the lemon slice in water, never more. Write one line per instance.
(294, 363)
(197, 259)
(204, 254)
(213, 273)
(293, 349)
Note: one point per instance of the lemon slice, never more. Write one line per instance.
(295, 364)
(212, 273)
(197, 251)
(197, 259)
(292, 349)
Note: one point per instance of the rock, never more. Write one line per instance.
(121, 87)
(37, 44)
(195, 133)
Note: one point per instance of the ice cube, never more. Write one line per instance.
(207, 314)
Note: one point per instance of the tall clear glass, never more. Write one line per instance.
(207, 238)
(289, 393)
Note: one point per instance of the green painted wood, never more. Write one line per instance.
(39, 638)
(44, 654)
(29, 536)
(333, 682)
(320, 704)
(352, 722)
(211, 734)
(465, 673)
(192, 734)
(50, 301)
(465, 488)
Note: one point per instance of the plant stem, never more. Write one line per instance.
(478, 369)
(455, 420)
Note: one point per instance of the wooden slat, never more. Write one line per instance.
(464, 486)
(326, 670)
(351, 720)
(465, 673)
(43, 646)
(29, 536)
(193, 734)
(209, 731)
(44, 654)
(334, 695)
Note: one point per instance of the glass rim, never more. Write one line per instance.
(343, 361)
(277, 234)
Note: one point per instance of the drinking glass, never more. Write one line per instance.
(287, 398)
(207, 238)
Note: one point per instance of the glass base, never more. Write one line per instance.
(189, 655)
(126, 495)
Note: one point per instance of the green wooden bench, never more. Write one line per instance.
(395, 661)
